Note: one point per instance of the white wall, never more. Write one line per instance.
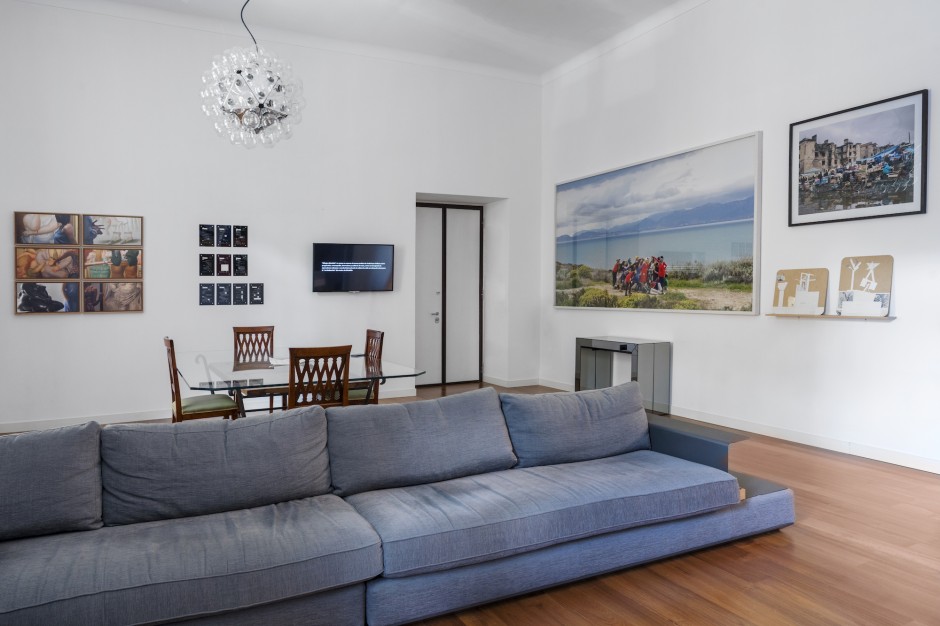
(730, 67)
(103, 115)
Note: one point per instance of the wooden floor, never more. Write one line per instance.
(865, 549)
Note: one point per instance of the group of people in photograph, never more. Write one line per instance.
(640, 274)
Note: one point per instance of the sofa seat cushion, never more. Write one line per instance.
(449, 524)
(174, 569)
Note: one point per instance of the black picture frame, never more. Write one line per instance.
(223, 265)
(240, 264)
(223, 236)
(206, 294)
(223, 294)
(206, 235)
(256, 293)
(207, 265)
(240, 293)
(878, 170)
(240, 236)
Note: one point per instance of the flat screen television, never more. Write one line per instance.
(353, 267)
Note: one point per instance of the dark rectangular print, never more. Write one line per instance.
(240, 293)
(223, 265)
(240, 234)
(223, 293)
(256, 293)
(206, 294)
(223, 236)
(207, 265)
(207, 235)
(240, 264)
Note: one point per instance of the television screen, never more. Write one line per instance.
(353, 267)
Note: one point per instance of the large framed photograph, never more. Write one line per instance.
(55, 229)
(51, 297)
(679, 233)
(868, 161)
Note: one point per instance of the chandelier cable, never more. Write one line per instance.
(246, 25)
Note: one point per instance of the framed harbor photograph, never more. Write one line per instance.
(865, 162)
(678, 233)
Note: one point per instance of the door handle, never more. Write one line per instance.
(435, 313)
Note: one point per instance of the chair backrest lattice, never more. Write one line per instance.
(253, 344)
(374, 341)
(319, 376)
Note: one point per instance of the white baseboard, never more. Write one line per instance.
(554, 384)
(502, 382)
(20, 427)
(827, 443)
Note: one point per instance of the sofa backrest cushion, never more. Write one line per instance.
(397, 445)
(50, 481)
(163, 471)
(554, 428)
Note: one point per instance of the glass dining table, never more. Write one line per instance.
(215, 370)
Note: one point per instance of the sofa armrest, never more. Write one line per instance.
(692, 442)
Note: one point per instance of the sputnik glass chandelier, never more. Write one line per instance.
(251, 95)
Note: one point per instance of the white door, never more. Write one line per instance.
(447, 301)
(429, 289)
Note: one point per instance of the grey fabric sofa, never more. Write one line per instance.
(378, 514)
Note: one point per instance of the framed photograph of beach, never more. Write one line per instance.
(865, 162)
(677, 233)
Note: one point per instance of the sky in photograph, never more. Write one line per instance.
(884, 128)
(718, 173)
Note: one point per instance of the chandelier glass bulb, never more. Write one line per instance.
(252, 97)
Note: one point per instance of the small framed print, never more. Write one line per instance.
(207, 265)
(112, 230)
(223, 236)
(223, 265)
(42, 262)
(206, 235)
(206, 294)
(256, 293)
(240, 236)
(240, 293)
(122, 297)
(53, 229)
(112, 263)
(223, 293)
(51, 297)
(240, 264)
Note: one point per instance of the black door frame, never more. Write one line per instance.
(468, 207)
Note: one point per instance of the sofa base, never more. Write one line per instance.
(402, 600)
(338, 607)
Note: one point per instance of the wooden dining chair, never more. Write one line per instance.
(195, 407)
(319, 376)
(254, 346)
(367, 392)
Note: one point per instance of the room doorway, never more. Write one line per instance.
(449, 293)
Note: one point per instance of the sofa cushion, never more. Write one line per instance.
(173, 569)
(565, 427)
(50, 481)
(160, 471)
(468, 520)
(395, 445)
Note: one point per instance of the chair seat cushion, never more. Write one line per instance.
(467, 520)
(174, 569)
(210, 402)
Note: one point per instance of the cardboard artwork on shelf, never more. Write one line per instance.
(801, 291)
(865, 286)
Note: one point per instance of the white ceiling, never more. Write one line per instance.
(525, 36)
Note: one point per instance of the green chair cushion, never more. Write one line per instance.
(358, 394)
(211, 402)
